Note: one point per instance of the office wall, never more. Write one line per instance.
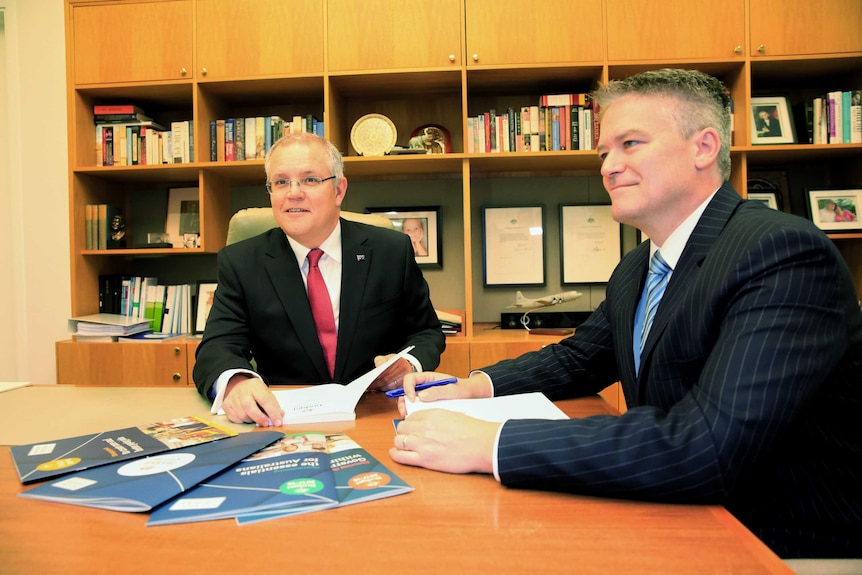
(34, 227)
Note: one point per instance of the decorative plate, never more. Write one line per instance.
(373, 135)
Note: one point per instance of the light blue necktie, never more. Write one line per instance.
(659, 274)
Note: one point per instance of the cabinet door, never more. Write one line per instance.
(124, 364)
(786, 27)
(132, 42)
(393, 34)
(541, 32)
(669, 29)
(237, 38)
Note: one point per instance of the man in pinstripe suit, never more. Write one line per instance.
(747, 392)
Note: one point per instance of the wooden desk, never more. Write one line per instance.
(450, 523)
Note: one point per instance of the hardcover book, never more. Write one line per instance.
(47, 459)
(144, 483)
(291, 473)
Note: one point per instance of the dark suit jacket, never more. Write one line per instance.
(261, 310)
(748, 395)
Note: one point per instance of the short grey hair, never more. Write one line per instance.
(335, 162)
(705, 102)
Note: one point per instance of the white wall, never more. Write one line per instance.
(34, 207)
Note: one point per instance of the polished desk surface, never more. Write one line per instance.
(449, 523)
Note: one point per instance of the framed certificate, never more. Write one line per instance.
(590, 243)
(513, 245)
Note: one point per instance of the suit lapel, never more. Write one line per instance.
(705, 234)
(286, 279)
(355, 262)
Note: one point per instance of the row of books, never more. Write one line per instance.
(451, 323)
(103, 227)
(558, 122)
(834, 118)
(167, 307)
(188, 469)
(237, 139)
(126, 136)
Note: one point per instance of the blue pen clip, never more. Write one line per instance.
(400, 391)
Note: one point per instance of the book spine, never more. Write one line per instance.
(213, 141)
(856, 116)
(102, 109)
(229, 142)
(240, 139)
(259, 138)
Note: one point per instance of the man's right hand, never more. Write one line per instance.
(248, 399)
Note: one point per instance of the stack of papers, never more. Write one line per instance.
(108, 324)
(497, 409)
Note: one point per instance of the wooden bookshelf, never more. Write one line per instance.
(437, 63)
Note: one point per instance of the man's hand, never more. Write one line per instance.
(393, 375)
(248, 399)
(468, 388)
(445, 441)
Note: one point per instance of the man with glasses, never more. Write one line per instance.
(315, 300)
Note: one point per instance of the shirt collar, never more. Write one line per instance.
(672, 249)
(331, 246)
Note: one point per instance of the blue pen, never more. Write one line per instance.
(400, 391)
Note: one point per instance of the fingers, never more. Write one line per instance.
(393, 376)
(252, 401)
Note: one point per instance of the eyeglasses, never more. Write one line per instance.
(282, 185)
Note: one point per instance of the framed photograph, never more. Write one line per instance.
(773, 182)
(590, 243)
(768, 198)
(835, 210)
(424, 227)
(206, 293)
(513, 245)
(183, 224)
(771, 122)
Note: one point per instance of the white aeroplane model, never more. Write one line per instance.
(522, 302)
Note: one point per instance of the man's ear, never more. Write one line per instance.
(340, 191)
(708, 145)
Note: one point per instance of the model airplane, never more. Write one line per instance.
(522, 302)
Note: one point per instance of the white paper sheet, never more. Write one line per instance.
(498, 409)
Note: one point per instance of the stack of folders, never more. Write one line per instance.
(187, 469)
(106, 326)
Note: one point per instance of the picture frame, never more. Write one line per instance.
(425, 228)
(768, 198)
(773, 181)
(771, 122)
(513, 245)
(590, 243)
(205, 294)
(835, 209)
(183, 223)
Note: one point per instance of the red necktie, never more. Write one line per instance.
(321, 308)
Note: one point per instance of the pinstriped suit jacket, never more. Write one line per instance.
(261, 309)
(749, 392)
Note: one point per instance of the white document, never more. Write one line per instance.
(330, 401)
(497, 409)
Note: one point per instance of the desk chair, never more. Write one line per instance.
(253, 221)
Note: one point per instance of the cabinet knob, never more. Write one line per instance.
(177, 350)
(451, 57)
(176, 377)
(475, 57)
(183, 72)
(738, 49)
(761, 48)
(203, 71)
